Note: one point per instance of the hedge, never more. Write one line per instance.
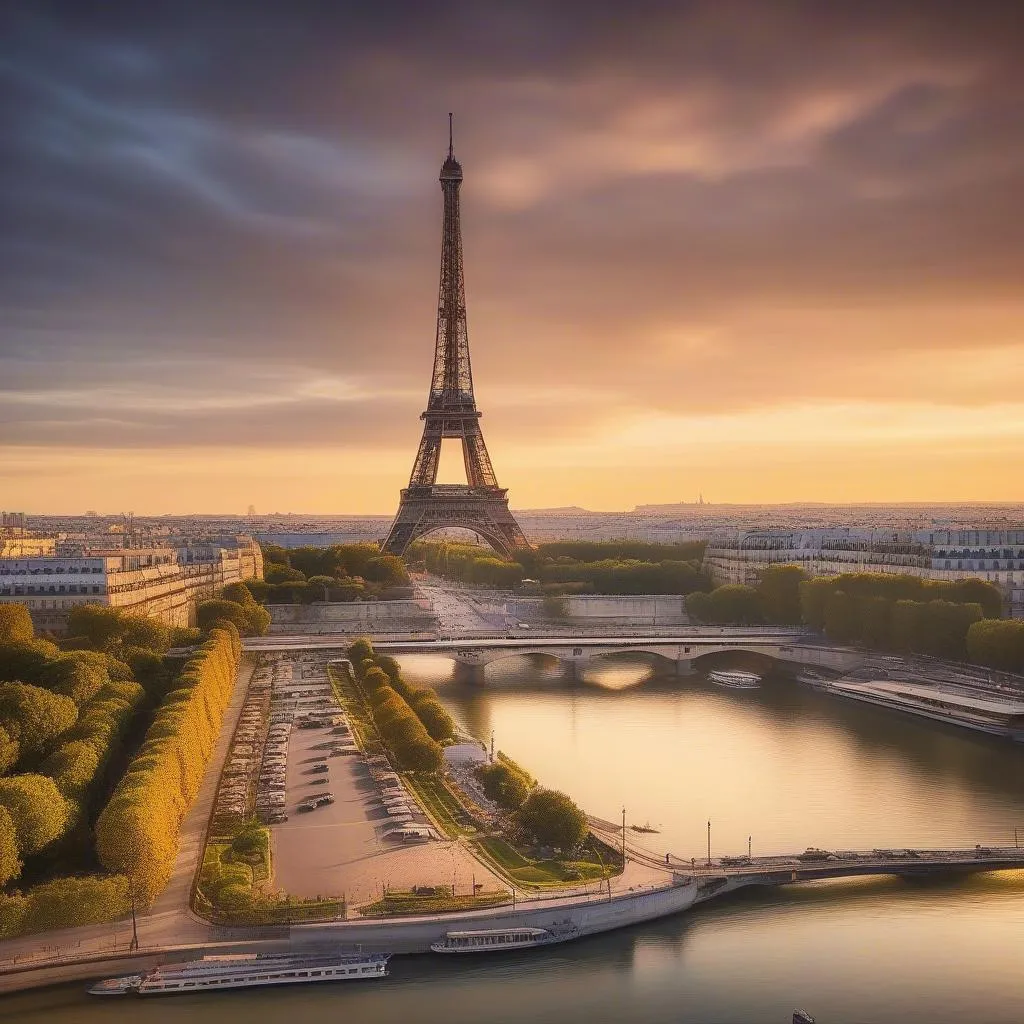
(139, 830)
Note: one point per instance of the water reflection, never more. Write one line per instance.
(788, 765)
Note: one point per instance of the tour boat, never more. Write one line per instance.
(735, 680)
(250, 970)
(497, 940)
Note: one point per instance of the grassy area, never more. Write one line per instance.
(526, 871)
(443, 806)
(351, 699)
(405, 903)
(233, 887)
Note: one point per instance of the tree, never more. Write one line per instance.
(10, 751)
(997, 643)
(436, 720)
(40, 813)
(553, 819)
(324, 583)
(375, 678)
(731, 603)
(386, 569)
(359, 650)
(842, 625)
(10, 862)
(15, 624)
(72, 766)
(100, 624)
(34, 716)
(420, 754)
(506, 787)
(779, 591)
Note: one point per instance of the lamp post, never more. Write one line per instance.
(709, 842)
(134, 944)
(623, 838)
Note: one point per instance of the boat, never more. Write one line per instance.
(251, 970)
(645, 828)
(734, 679)
(955, 705)
(496, 940)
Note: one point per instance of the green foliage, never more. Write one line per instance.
(109, 629)
(553, 819)
(41, 814)
(34, 716)
(248, 617)
(10, 751)
(997, 643)
(12, 914)
(432, 714)
(251, 839)
(388, 570)
(137, 833)
(555, 607)
(375, 678)
(72, 766)
(15, 624)
(507, 787)
(73, 902)
(779, 591)
(10, 861)
(731, 603)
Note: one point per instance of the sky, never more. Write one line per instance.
(760, 251)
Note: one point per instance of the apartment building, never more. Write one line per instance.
(163, 582)
(938, 554)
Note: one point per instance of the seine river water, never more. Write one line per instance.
(785, 766)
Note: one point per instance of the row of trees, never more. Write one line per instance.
(617, 567)
(63, 717)
(137, 834)
(343, 572)
(883, 612)
(997, 643)
(412, 722)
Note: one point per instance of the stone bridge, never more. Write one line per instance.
(472, 654)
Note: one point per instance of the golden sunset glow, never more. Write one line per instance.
(783, 269)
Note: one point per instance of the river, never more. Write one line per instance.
(785, 766)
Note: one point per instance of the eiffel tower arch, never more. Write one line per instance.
(479, 504)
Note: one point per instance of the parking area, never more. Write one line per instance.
(366, 830)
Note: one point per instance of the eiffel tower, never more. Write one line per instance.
(479, 505)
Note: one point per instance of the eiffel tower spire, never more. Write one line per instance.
(451, 412)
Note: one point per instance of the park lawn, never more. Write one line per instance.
(443, 806)
(400, 903)
(539, 873)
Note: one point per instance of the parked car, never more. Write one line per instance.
(320, 766)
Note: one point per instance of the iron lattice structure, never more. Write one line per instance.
(480, 504)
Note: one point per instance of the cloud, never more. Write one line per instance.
(222, 222)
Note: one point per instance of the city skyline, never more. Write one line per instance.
(767, 252)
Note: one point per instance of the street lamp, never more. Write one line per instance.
(134, 944)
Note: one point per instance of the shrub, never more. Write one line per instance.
(72, 902)
(15, 624)
(137, 833)
(34, 716)
(10, 861)
(41, 814)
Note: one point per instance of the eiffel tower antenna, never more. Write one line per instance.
(480, 504)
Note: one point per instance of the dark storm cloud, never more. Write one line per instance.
(240, 182)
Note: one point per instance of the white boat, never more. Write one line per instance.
(735, 680)
(252, 970)
(497, 940)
